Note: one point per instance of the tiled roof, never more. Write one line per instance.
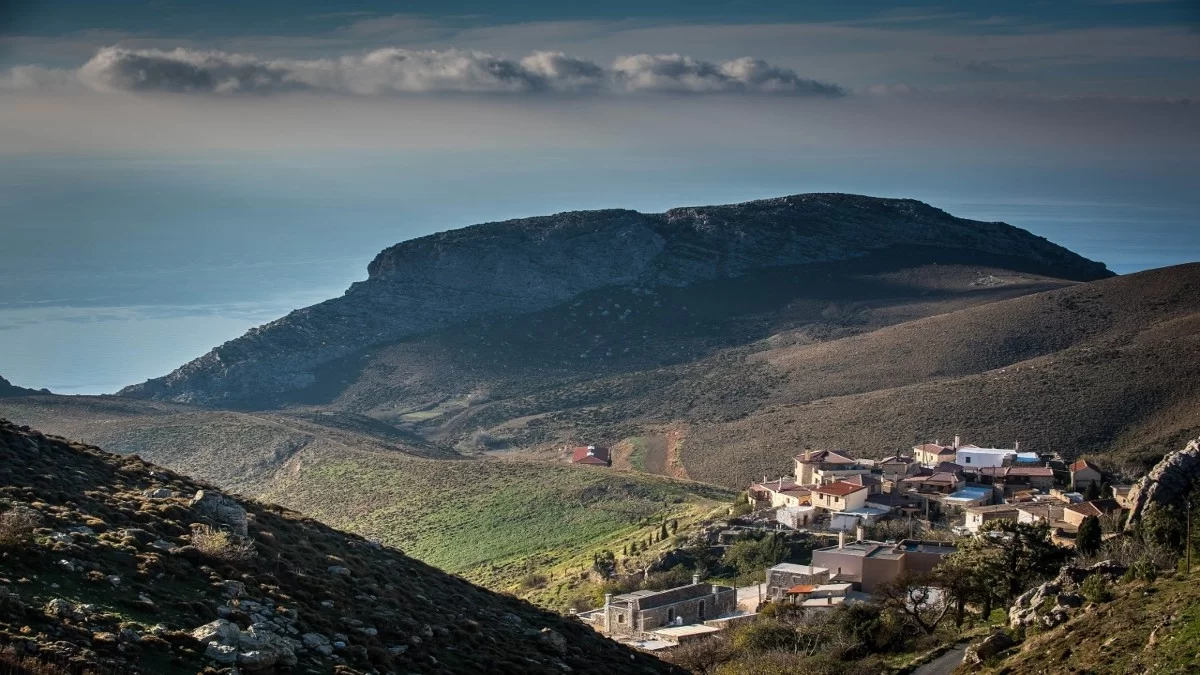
(840, 488)
(799, 589)
(586, 455)
(824, 456)
(1083, 464)
(1098, 507)
(934, 447)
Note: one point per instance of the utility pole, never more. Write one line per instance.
(1188, 539)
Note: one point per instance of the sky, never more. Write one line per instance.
(173, 172)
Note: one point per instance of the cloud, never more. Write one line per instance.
(682, 74)
(395, 71)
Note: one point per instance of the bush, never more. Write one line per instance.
(220, 545)
(17, 526)
(1095, 588)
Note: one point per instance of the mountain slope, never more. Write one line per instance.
(522, 266)
(103, 564)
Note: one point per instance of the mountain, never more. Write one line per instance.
(517, 267)
(116, 565)
(9, 389)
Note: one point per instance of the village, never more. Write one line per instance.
(924, 501)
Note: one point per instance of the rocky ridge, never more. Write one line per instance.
(520, 266)
(111, 564)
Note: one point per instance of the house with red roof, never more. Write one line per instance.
(1083, 474)
(1076, 513)
(591, 454)
(840, 496)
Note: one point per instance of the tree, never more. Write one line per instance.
(1087, 540)
(1011, 556)
(1092, 491)
(751, 557)
(674, 526)
(913, 597)
(605, 563)
(662, 532)
(965, 582)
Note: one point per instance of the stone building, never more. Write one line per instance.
(785, 576)
(644, 611)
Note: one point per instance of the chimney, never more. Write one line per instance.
(829, 599)
(841, 540)
(1017, 446)
(607, 600)
(695, 579)
(956, 441)
(860, 533)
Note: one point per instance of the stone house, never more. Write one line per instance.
(785, 576)
(1084, 473)
(645, 611)
(930, 482)
(1050, 513)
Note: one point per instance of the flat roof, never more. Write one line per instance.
(993, 508)
(827, 601)
(685, 631)
(834, 587)
(791, 568)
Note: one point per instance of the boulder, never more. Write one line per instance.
(220, 631)
(553, 640)
(222, 509)
(257, 660)
(1167, 483)
(338, 571)
(60, 608)
(987, 648)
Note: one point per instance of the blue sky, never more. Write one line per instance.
(175, 172)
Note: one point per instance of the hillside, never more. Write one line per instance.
(492, 519)
(9, 389)
(1146, 628)
(106, 565)
(512, 268)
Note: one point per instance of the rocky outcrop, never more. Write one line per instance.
(521, 266)
(1167, 483)
(1050, 604)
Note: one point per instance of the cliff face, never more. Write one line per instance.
(524, 265)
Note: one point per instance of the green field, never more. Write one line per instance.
(490, 520)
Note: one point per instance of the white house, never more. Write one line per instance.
(977, 458)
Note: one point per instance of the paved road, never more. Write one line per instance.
(944, 664)
(747, 596)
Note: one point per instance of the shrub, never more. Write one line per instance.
(220, 545)
(17, 526)
(1095, 588)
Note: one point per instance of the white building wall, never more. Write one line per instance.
(974, 458)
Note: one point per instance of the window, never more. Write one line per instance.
(966, 460)
(670, 615)
(620, 618)
(701, 611)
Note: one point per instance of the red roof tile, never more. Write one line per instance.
(589, 455)
(1083, 464)
(840, 489)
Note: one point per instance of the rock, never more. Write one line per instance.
(137, 534)
(1169, 482)
(987, 648)
(66, 566)
(232, 589)
(553, 640)
(159, 493)
(257, 660)
(221, 509)
(338, 571)
(114, 580)
(397, 650)
(223, 654)
(60, 608)
(313, 640)
(104, 638)
(220, 631)
(1069, 600)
